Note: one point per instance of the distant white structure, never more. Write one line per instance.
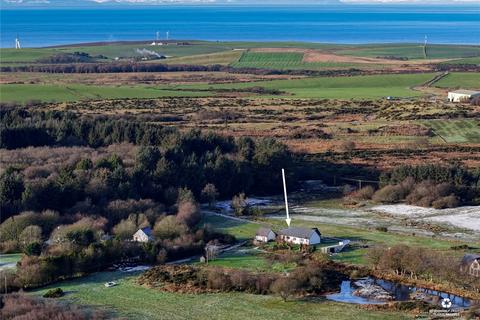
(462, 95)
(265, 235)
(300, 236)
(143, 235)
(17, 43)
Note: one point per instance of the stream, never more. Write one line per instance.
(399, 292)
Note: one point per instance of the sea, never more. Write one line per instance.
(342, 24)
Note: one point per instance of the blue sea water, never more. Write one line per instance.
(329, 24)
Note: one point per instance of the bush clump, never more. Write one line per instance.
(54, 293)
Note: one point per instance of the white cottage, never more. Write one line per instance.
(143, 235)
(265, 235)
(462, 95)
(300, 236)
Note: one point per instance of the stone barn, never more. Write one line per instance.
(303, 236)
(471, 264)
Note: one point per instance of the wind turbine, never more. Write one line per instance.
(17, 43)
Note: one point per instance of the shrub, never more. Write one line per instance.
(54, 293)
(33, 249)
(168, 228)
(389, 194)
(381, 229)
(450, 201)
(284, 287)
(365, 193)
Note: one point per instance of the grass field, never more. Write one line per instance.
(29, 55)
(135, 302)
(246, 230)
(224, 57)
(282, 60)
(73, 92)
(464, 80)
(413, 51)
(456, 131)
(9, 260)
(474, 60)
(357, 87)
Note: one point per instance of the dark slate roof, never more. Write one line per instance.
(147, 231)
(469, 258)
(264, 231)
(298, 232)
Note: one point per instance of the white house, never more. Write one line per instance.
(300, 235)
(471, 264)
(143, 235)
(462, 95)
(265, 235)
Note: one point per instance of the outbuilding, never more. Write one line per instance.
(300, 236)
(143, 235)
(265, 235)
(471, 264)
(462, 95)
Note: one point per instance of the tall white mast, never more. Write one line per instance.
(17, 43)
(288, 220)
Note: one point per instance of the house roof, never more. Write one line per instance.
(147, 231)
(299, 232)
(263, 232)
(463, 91)
(469, 258)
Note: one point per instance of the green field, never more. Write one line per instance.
(269, 60)
(283, 61)
(413, 51)
(29, 55)
(246, 230)
(456, 131)
(135, 302)
(73, 92)
(9, 259)
(464, 80)
(356, 87)
(224, 58)
(474, 60)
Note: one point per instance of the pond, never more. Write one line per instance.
(399, 292)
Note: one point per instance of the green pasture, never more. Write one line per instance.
(456, 131)
(111, 51)
(132, 301)
(7, 260)
(224, 58)
(283, 60)
(473, 60)
(247, 230)
(464, 80)
(73, 92)
(413, 51)
(356, 87)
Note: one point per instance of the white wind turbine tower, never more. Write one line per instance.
(17, 43)
(168, 35)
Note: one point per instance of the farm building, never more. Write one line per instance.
(143, 235)
(471, 264)
(335, 248)
(462, 95)
(300, 235)
(265, 235)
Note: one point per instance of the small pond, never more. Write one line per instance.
(400, 292)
